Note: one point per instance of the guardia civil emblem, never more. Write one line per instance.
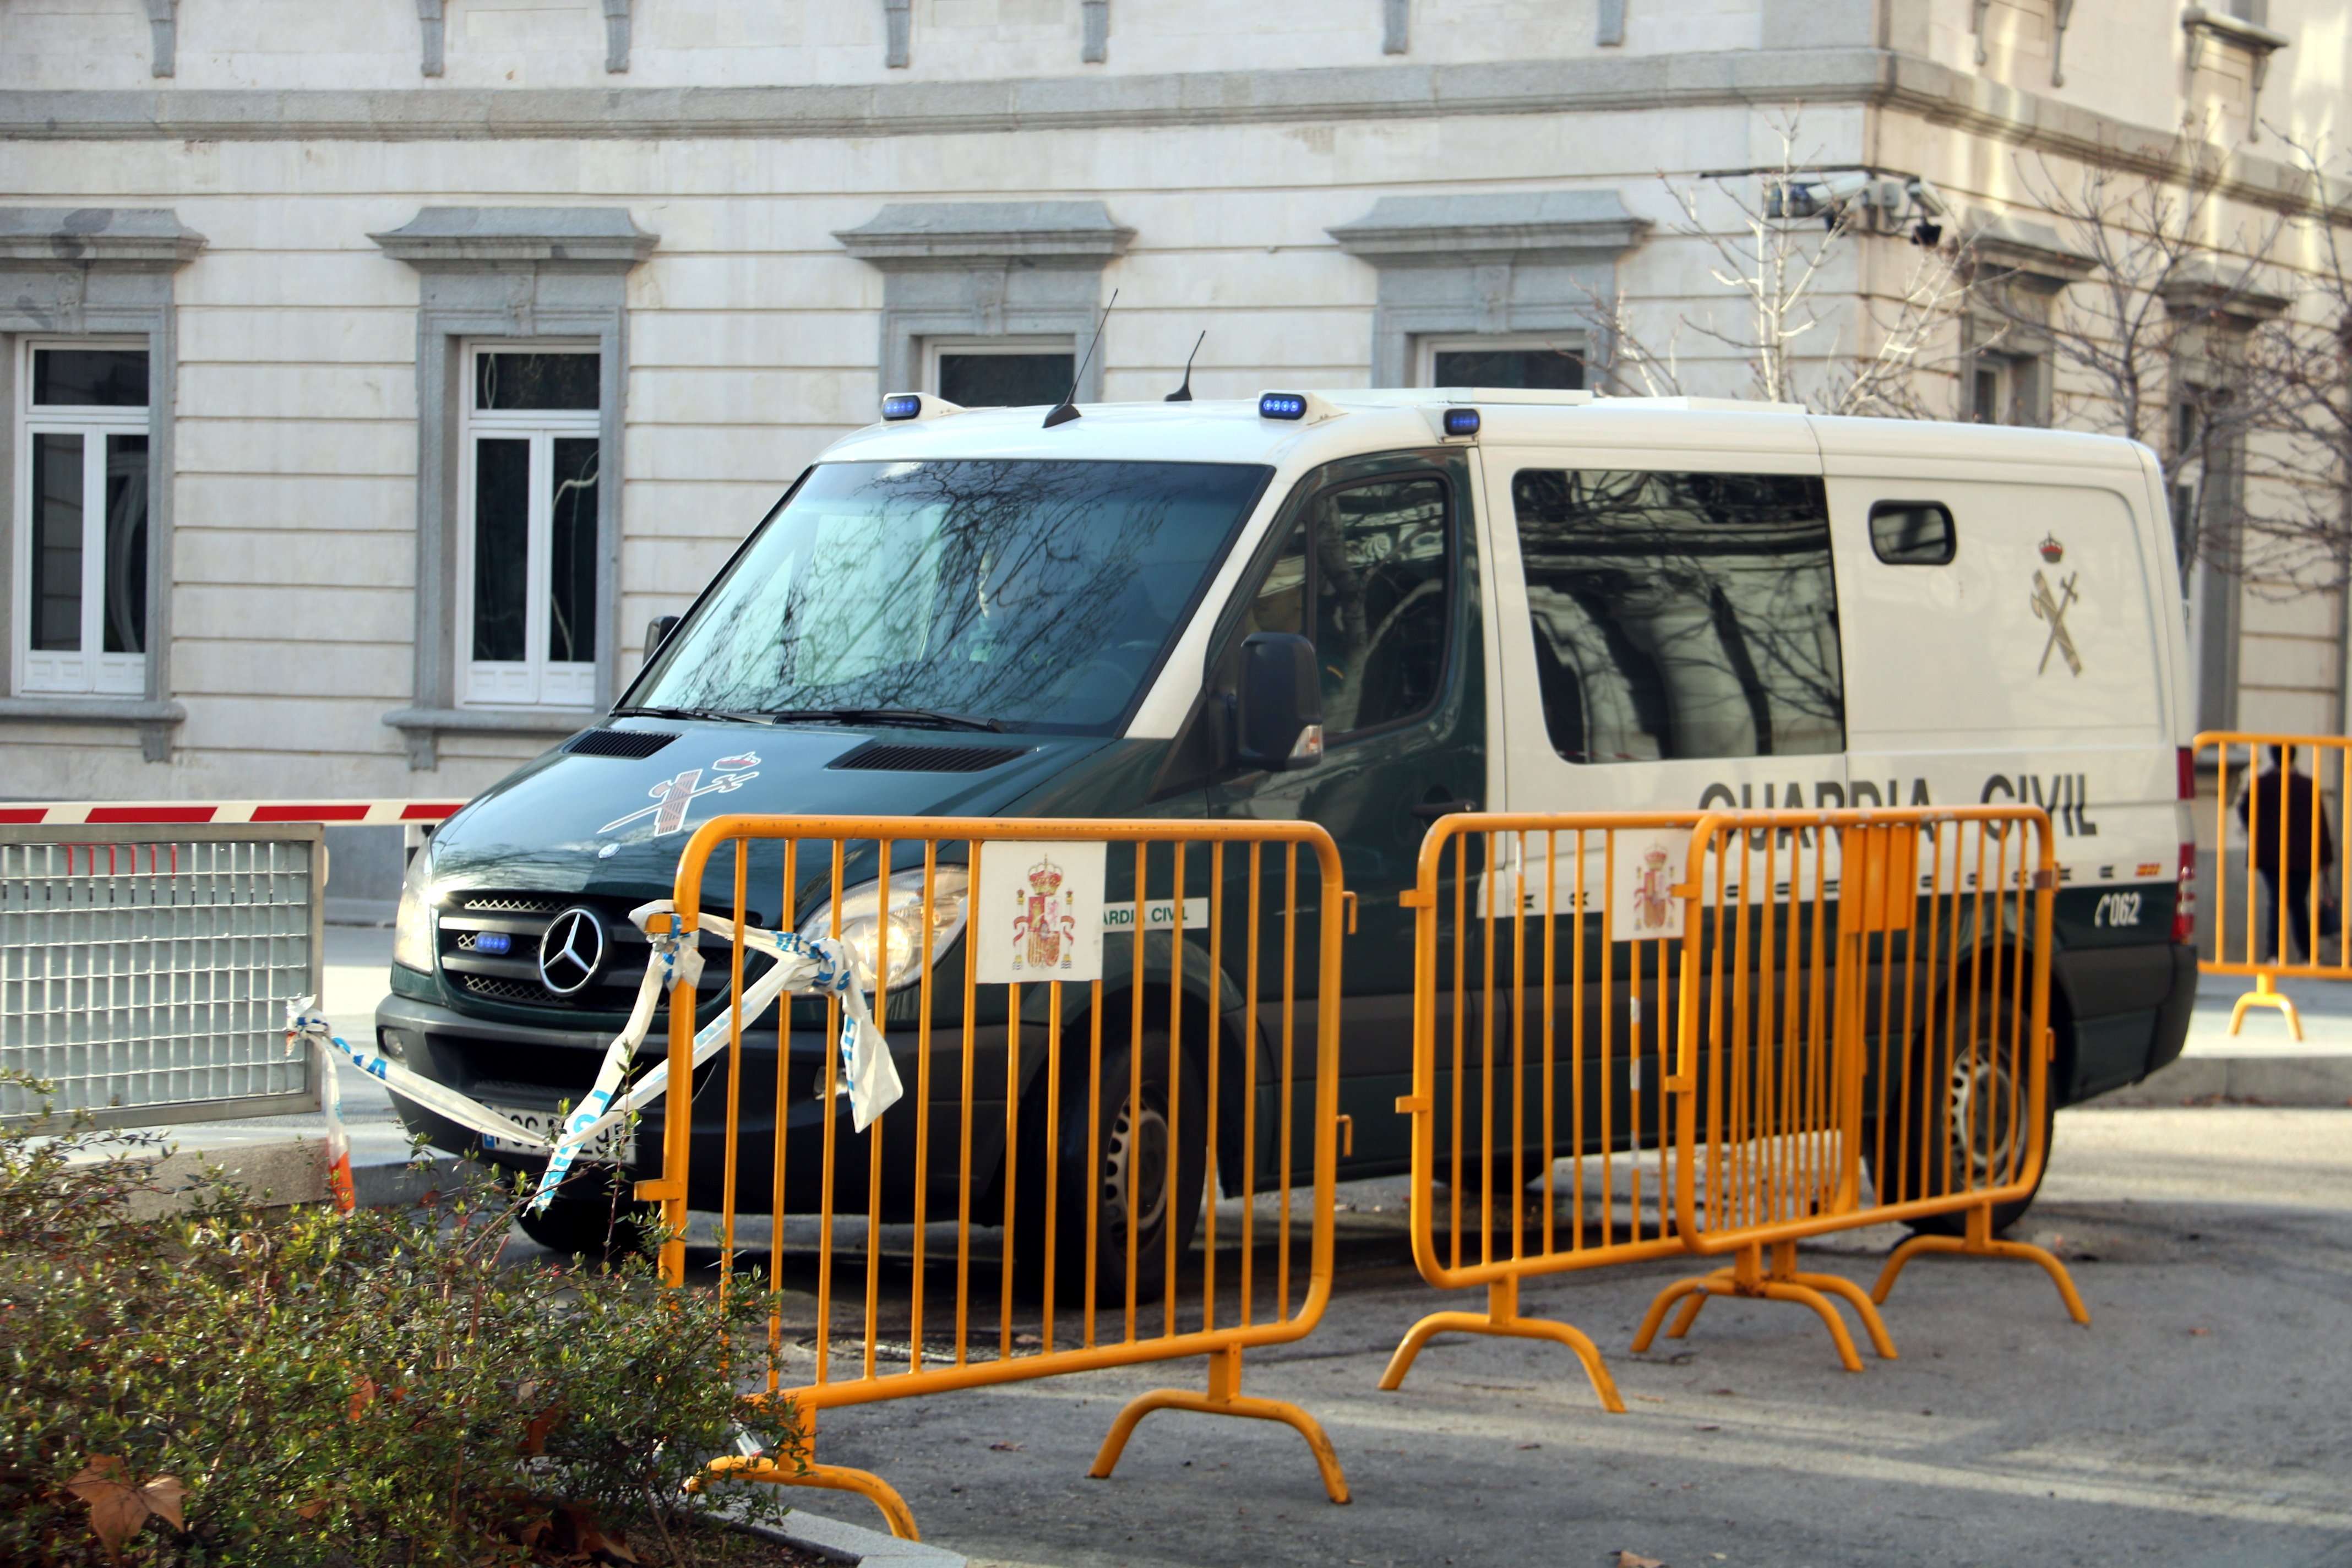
(2052, 607)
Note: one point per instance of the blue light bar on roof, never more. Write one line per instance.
(1461, 422)
(1282, 405)
(902, 406)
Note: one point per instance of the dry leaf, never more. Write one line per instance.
(534, 1437)
(1635, 1560)
(526, 1392)
(362, 1395)
(120, 1508)
(311, 1510)
(1005, 1449)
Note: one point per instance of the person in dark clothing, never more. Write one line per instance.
(2281, 809)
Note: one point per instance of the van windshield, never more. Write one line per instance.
(1035, 595)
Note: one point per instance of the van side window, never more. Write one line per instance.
(1682, 614)
(1380, 568)
(1911, 534)
(1280, 603)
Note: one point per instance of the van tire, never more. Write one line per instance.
(1973, 1085)
(587, 1218)
(1120, 1149)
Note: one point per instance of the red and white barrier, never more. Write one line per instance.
(355, 812)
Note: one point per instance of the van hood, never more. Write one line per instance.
(575, 822)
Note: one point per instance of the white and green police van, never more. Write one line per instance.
(1366, 609)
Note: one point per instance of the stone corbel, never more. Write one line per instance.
(896, 22)
(163, 33)
(1396, 26)
(1977, 10)
(616, 36)
(2058, 17)
(1609, 26)
(429, 18)
(1094, 28)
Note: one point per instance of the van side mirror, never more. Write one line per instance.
(1278, 715)
(657, 632)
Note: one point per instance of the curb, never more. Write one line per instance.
(278, 1171)
(852, 1543)
(2262, 1081)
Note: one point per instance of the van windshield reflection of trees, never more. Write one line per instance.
(1682, 614)
(1035, 594)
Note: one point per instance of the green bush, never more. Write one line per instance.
(231, 1384)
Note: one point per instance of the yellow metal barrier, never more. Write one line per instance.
(2284, 890)
(1198, 1060)
(1658, 1033)
(1864, 1038)
(1526, 908)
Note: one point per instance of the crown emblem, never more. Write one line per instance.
(1045, 878)
(2052, 550)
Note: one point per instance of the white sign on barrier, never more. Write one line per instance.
(1649, 863)
(1158, 914)
(1039, 908)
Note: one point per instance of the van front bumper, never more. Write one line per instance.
(542, 1070)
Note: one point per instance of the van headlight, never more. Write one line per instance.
(866, 927)
(412, 934)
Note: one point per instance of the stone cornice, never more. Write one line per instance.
(1469, 229)
(1878, 78)
(583, 238)
(142, 239)
(956, 234)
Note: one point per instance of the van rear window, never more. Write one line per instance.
(1680, 616)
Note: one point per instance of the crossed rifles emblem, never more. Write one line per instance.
(2053, 608)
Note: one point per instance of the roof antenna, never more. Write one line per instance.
(1184, 393)
(1067, 409)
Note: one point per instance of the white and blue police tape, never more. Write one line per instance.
(822, 965)
(301, 1024)
(675, 959)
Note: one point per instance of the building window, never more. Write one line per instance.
(526, 527)
(1000, 372)
(1543, 364)
(82, 550)
(2008, 389)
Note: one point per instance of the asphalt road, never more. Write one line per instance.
(2203, 1417)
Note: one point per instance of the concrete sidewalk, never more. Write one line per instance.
(2263, 1063)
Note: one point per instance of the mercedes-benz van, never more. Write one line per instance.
(1516, 601)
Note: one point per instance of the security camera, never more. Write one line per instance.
(1925, 197)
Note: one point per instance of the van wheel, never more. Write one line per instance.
(1972, 1099)
(588, 1216)
(1133, 1154)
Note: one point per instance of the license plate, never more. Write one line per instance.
(616, 1144)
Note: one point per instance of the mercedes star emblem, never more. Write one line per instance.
(572, 954)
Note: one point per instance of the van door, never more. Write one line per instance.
(1668, 639)
(1669, 634)
(1371, 560)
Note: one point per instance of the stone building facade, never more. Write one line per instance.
(376, 371)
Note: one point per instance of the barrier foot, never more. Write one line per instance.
(1502, 1317)
(1224, 1398)
(1976, 1245)
(832, 1477)
(1782, 1282)
(2265, 995)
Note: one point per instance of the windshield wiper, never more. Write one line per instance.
(930, 717)
(716, 714)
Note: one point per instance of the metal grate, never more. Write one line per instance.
(512, 904)
(146, 980)
(498, 990)
(618, 742)
(898, 757)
